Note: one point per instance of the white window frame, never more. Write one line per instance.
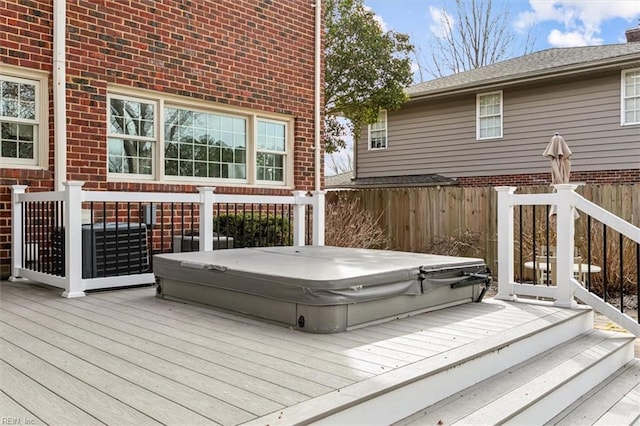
(624, 97)
(173, 101)
(284, 154)
(479, 118)
(383, 113)
(154, 140)
(41, 135)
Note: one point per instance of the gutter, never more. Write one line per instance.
(317, 88)
(59, 93)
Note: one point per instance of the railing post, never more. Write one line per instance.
(206, 218)
(299, 218)
(565, 228)
(73, 239)
(17, 226)
(318, 218)
(505, 243)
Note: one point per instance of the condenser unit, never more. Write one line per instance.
(108, 249)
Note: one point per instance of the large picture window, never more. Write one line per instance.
(631, 97)
(163, 140)
(489, 113)
(204, 145)
(22, 121)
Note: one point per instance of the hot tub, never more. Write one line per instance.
(320, 289)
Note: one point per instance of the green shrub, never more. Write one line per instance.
(253, 230)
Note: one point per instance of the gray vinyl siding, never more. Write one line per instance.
(438, 136)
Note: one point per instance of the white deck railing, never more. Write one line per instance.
(567, 288)
(73, 197)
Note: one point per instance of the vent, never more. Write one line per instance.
(108, 250)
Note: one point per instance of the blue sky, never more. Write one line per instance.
(555, 23)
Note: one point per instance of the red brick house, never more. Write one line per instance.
(158, 96)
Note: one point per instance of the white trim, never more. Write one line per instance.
(383, 112)
(40, 80)
(480, 95)
(623, 97)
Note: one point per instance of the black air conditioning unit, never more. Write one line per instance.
(108, 250)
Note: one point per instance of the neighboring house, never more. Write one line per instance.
(489, 126)
(160, 96)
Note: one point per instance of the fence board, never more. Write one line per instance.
(416, 217)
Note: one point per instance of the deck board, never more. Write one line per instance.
(154, 360)
(186, 387)
(185, 354)
(372, 357)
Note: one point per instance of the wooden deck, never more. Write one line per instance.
(125, 356)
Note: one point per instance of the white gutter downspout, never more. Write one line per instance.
(59, 93)
(317, 106)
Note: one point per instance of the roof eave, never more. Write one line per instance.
(529, 77)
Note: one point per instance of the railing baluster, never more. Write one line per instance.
(604, 266)
(520, 234)
(621, 270)
(589, 260)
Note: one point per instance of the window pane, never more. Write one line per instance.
(207, 142)
(271, 136)
(18, 100)
(270, 167)
(131, 118)
(130, 156)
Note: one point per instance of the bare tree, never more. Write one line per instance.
(474, 35)
(339, 163)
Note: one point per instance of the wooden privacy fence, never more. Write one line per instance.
(431, 219)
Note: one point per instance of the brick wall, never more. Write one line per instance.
(256, 54)
(594, 177)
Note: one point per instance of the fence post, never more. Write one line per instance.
(318, 218)
(74, 286)
(565, 229)
(16, 230)
(206, 218)
(299, 218)
(505, 242)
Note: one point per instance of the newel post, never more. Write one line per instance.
(505, 242)
(565, 230)
(318, 217)
(73, 239)
(16, 230)
(207, 198)
(299, 218)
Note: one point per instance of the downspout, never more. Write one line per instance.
(317, 105)
(59, 93)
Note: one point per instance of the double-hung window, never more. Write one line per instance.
(489, 115)
(378, 132)
(132, 130)
(23, 120)
(631, 97)
(173, 140)
(271, 149)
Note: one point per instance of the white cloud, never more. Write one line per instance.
(440, 20)
(581, 20)
(571, 39)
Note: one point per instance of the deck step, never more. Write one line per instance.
(423, 383)
(538, 389)
(616, 401)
